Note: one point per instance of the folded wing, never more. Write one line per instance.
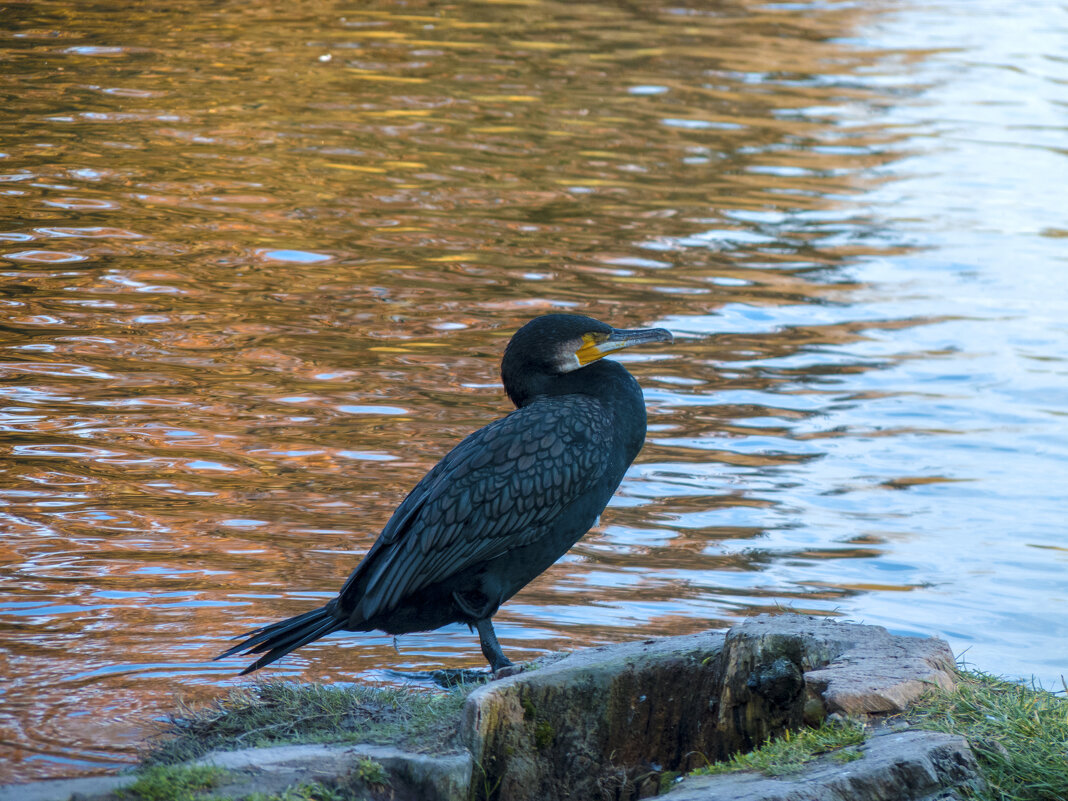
(501, 488)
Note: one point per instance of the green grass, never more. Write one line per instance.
(1019, 735)
(173, 783)
(789, 753)
(370, 772)
(274, 712)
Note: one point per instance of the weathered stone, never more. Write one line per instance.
(595, 720)
(420, 777)
(849, 668)
(598, 721)
(896, 766)
(412, 777)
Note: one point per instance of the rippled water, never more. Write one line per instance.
(258, 264)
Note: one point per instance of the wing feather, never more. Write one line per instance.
(500, 488)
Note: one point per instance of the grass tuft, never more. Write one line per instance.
(668, 780)
(174, 782)
(789, 753)
(1019, 735)
(274, 712)
(369, 771)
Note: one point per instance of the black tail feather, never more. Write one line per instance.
(256, 636)
(278, 639)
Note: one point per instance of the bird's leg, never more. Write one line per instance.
(491, 649)
(487, 637)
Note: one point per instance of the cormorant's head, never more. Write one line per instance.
(556, 344)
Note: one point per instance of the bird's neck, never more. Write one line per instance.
(597, 380)
(606, 380)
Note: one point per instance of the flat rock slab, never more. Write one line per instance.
(420, 777)
(413, 776)
(896, 766)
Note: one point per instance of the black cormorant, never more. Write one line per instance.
(504, 504)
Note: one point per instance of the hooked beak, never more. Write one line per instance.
(596, 346)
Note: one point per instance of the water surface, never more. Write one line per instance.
(258, 264)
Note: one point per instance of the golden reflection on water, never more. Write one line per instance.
(258, 266)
